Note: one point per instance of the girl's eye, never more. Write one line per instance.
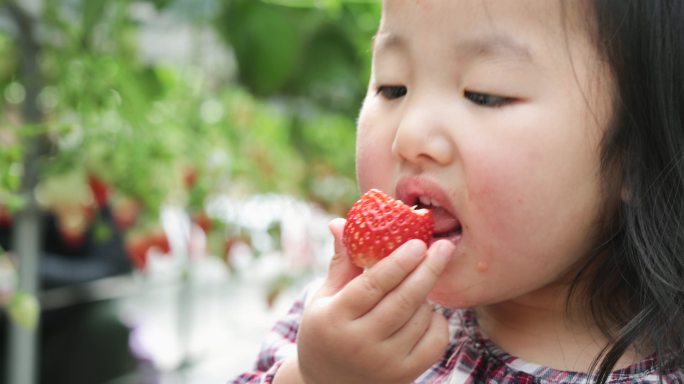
(487, 100)
(391, 92)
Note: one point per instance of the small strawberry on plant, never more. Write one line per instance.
(72, 223)
(100, 190)
(203, 221)
(160, 240)
(377, 224)
(137, 245)
(190, 175)
(126, 211)
(5, 216)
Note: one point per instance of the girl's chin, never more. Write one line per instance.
(449, 299)
(436, 298)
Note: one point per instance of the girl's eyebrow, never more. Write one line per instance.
(495, 45)
(485, 46)
(387, 41)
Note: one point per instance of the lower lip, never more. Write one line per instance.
(453, 238)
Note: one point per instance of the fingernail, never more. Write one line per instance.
(335, 223)
(415, 247)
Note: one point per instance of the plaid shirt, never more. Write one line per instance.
(470, 358)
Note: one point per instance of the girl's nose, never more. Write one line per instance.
(422, 137)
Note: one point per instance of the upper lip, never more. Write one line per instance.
(410, 189)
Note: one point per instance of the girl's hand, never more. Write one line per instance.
(374, 327)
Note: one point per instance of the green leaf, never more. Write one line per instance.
(267, 41)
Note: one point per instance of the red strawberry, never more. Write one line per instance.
(190, 177)
(72, 238)
(99, 189)
(137, 246)
(159, 239)
(72, 223)
(126, 211)
(5, 216)
(377, 224)
(203, 221)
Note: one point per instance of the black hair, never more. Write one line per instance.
(637, 285)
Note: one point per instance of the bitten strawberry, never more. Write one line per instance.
(377, 224)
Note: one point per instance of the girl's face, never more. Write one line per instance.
(492, 113)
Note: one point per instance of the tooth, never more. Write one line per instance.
(428, 201)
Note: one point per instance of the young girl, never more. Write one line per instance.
(547, 137)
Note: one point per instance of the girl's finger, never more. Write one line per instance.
(366, 290)
(341, 269)
(429, 348)
(406, 337)
(400, 305)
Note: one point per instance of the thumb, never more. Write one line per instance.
(341, 269)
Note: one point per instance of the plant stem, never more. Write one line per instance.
(22, 346)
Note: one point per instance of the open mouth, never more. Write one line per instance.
(447, 226)
(421, 192)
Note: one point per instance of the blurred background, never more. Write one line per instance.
(167, 172)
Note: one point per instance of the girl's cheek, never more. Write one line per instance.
(508, 212)
(364, 157)
(497, 196)
(373, 154)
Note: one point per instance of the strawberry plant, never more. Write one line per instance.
(81, 95)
